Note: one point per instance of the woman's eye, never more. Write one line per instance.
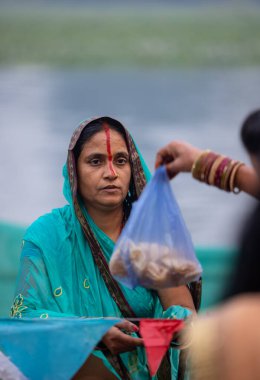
(95, 161)
(121, 161)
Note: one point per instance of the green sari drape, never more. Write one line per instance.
(59, 277)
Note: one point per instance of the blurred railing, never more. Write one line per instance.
(10, 246)
(217, 265)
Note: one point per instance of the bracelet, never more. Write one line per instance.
(232, 186)
(196, 167)
(226, 176)
(216, 170)
(210, 161)
(221, 170)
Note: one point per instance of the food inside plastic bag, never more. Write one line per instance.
(154, 266)
(155, 248)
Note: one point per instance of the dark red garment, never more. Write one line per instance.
(157, 335)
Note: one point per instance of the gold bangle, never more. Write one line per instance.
(233, 176)
(205, 165)
(224, 174)
(227, 175)
(196, 165)
(214, 169)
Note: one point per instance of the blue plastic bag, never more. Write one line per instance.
(155, 248)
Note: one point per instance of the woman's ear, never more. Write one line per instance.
(130, 198)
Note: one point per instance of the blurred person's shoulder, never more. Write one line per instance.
(225, 342)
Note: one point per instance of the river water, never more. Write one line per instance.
(40, 107)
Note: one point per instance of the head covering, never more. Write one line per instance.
(140, 173)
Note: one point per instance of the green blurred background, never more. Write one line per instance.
(163, 37)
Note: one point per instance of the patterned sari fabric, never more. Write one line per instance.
(64, 269)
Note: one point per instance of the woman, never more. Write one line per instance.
(64, 262)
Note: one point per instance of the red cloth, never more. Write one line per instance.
(157, 335)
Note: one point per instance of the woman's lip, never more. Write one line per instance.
(110, 188)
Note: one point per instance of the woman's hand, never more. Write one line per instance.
(178, 156)
(118, 341)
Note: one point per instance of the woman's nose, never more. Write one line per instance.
(110, 171)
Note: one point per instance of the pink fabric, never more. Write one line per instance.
(157, 335)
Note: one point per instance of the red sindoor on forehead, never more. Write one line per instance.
(108, 140)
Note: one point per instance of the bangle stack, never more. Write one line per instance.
(216, 170)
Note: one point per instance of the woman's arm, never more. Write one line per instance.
(179, 156)
(248, 181)
(180, 296)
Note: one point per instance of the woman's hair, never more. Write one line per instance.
(94, 127)
(246, 276)
(250, 133)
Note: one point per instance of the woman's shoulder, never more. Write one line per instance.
(53, 218)
(50, 225)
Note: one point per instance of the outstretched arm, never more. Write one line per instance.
(179, 156)
(247, 180)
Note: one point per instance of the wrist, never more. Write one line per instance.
(177, 312)
(195, 154)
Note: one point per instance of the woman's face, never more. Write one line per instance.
(104, 171)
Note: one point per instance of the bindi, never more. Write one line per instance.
(108, 140)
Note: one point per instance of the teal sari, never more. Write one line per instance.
(59, 275)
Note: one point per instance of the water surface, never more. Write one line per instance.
(39, 109)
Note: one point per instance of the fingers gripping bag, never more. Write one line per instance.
(155, 249)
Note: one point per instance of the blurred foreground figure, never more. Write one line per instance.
(226, 344)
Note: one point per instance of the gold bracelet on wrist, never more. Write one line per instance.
(195, 170)
(232, 186)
